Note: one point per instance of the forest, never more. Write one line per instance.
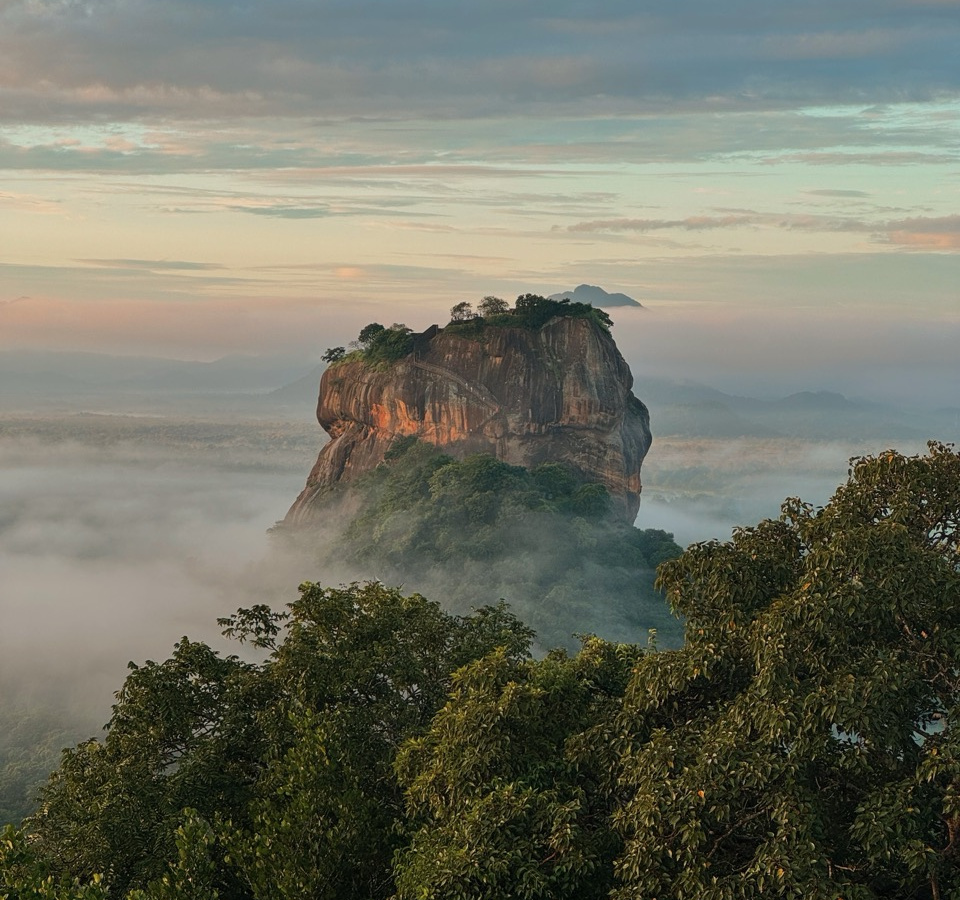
(363, 742)
(476, 529)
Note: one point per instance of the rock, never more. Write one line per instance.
(560, 393)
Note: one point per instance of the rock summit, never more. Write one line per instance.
(557, 393)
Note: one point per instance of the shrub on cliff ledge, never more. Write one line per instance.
(385, 345)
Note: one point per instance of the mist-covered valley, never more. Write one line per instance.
(135, 512)
(118, 535)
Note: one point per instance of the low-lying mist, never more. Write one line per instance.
(701, 489)
(111, 554)
(119, 536)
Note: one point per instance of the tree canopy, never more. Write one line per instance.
(530, 311)
(478, 529)
(800, 744)
(289, 760)
(378, 345)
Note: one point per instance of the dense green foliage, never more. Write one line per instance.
(30, 745)
(380, 346)
(479, 530)
(386, 345)
(266, 754)
(799, 745)
(377, 345)
(530, 311)
(506, 793)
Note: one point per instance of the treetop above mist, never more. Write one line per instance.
(530, 311)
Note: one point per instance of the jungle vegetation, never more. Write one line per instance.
(378, 345)
(800, 743)
(478, 530)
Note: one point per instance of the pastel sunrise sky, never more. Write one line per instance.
(777, 182)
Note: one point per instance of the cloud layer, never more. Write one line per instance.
(113, 553)
(130, 58)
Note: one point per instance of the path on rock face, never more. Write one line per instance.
(478, 391)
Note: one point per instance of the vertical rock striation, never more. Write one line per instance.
(559, 393)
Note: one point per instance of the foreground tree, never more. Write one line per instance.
(363, 670)
(503, 793)
(802, 743)
(289, 761)
(185, 733)
(24, 875)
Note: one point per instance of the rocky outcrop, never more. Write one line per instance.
(560, 393)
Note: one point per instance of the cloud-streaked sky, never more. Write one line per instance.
(196, 177)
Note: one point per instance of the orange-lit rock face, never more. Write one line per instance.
(558, 394)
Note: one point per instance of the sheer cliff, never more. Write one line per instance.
(558, 393)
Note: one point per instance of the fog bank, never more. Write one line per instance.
(112, 554)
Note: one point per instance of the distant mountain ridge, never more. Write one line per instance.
(597, 296)
(233, 373)
(691, 409)
(285, 386)
(236, 384)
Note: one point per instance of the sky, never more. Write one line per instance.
(777, 182)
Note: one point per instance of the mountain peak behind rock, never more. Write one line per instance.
(597, 296)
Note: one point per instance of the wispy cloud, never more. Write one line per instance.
(926, 233)
(740, 219)
(837, 193)
(30, 203)
(930, 233)
(286, 212)
(152, 265)
(860, 158)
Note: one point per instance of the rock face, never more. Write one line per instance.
(560, 393)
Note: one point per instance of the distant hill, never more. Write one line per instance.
(707, 418)
(597, 296)
(232, 385)
(39, 369)
(696, 410)
(301, 392)
(821, 401)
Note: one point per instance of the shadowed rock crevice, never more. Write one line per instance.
(559, 393)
